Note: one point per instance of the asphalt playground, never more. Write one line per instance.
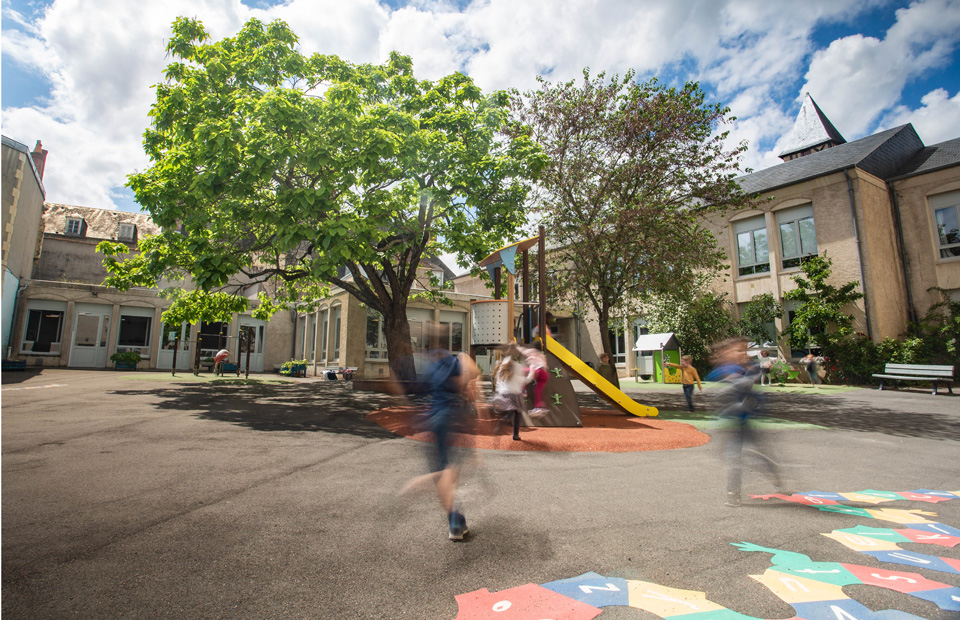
(141, 495)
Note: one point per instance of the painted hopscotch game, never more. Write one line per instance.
(814, 588)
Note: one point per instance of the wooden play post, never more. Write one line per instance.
(542, 249)
(176, 345)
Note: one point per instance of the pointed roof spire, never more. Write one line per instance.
(811, 132)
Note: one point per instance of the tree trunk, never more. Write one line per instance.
(603, 318)
(396, 330)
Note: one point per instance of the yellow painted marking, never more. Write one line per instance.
(793, 589)
(666, 602)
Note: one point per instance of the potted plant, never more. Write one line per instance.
(125, 359)
(294, 367)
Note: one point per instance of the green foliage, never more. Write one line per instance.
(756, 317)
(126, 357)
(940, 328)
(299, 172)
(778, 372)
(631, 167)
(821, 319)
(698, 317)
(287, 367)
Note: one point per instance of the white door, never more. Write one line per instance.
(168, 342)
(90, 333)
(256, 350)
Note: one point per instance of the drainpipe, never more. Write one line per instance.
(856, 236)
(901, 253)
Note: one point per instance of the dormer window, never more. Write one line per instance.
(74, 226)
(127, 232)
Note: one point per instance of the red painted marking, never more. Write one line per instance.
(892, 579)
(527, 602)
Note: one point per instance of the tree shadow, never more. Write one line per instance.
(842, 411)
(306, 407)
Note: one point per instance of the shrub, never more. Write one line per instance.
(126, 357)
(287, 367)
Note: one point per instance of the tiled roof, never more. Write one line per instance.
(883, 154)
(99, 224)
(934, 157)
(811, 128)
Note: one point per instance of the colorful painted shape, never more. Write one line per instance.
(793, 589)
(934, 527)
(847, 609)
(919, 560)
(944, 494)
(944, 598)
(527, 602)
(907, 583)
(669, 602)
(797, 498)
(794, 576)
(867, 497)
(593, 589)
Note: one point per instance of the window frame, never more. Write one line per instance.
(128, 319)
(946, 250)
(337, 315)
(750, 226)
(618, 342)
(71, 223)
(380, 347)
(131, 233)
(793, 218)
(41, 312)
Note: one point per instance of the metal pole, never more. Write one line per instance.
(196, 357)
(250, 333)
(176, 345)
(527, 310)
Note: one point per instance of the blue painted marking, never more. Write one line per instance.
(911, 558)
(593, 589)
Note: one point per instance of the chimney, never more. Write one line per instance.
(39, 155)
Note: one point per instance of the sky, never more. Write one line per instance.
(78, 74)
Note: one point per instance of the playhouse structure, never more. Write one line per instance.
(494, 323)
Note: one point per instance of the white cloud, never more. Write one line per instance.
(936, 120)
(102, 56)
(857, 78)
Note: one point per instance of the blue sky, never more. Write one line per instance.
(77, 74)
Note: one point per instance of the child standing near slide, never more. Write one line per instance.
(511, 378)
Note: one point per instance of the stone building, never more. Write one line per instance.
(64, 316)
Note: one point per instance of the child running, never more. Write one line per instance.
(511, 378)
(537, 362)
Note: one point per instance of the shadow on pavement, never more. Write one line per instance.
(850, 411)
(312, 407)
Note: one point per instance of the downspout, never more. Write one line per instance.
(898, 222)
(856, 236)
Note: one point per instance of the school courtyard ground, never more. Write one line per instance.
(141, 495)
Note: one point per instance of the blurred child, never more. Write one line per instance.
(688, 378)
(537, 363)
(739, 407)
(510, 379)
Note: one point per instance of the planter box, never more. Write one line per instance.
(124, 366)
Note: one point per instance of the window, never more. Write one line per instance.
(74, 225)
(946, 214)
(134, 331)
(439, 276)
(618, 340)
(451, 336)
(44, 328)
(324, 323)
(313, 337)
(213, 335)
(753, 254)
(336, 333)
(376, 348)
(798, 236)
(127, 232)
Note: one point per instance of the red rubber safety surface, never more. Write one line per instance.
(603, 431)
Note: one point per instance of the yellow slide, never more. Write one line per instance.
(609, 392)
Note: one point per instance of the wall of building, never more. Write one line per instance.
(924, 266)
(886, 297)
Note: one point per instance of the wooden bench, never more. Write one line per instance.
(918, 372)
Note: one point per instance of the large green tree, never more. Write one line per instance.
(822, 317)
(632, 167)
(292, 173)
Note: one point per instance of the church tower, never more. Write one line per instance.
(812, 132)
